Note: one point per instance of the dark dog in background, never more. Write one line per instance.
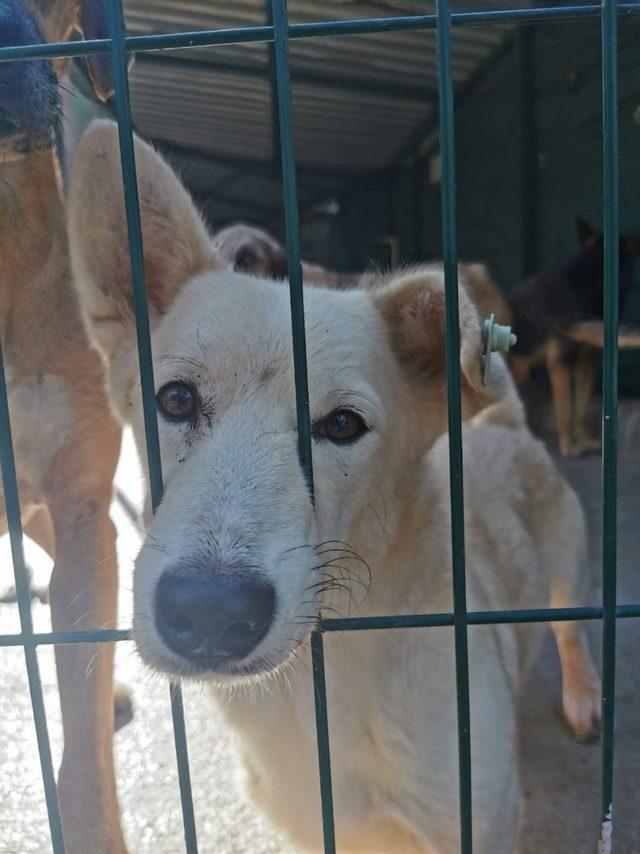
(557, 317)
(66, 440)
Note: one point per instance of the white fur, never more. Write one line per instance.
(235, 493)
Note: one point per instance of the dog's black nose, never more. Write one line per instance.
(213, 617)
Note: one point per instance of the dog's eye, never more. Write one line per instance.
(340, 426)
(177, 401)
(245, 260)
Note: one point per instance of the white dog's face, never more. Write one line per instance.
(239, 559)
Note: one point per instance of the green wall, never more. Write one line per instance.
(529, 160)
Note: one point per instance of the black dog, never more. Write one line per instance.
(557, 316)
(29, 89)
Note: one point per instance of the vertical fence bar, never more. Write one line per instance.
(122, 106)
(275, 120)
(12, 506)
(322, 732)
(118, 66)
(609, 405)
(452, 346)
(292, 230)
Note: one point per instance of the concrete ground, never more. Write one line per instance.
(560, 777)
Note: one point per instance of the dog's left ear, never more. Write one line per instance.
(175, 241)
(413, 307)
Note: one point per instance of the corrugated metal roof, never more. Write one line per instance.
(356, 99)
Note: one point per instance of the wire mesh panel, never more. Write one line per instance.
(118, 47)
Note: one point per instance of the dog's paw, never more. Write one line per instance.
(581, 705)
(123, 706)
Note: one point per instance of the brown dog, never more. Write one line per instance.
(66, 440)
(252, 250)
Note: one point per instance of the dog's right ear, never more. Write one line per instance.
(587, 235)
(176, 244)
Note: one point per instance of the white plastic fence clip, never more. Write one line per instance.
(495, 339)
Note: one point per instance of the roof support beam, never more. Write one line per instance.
(355, 85)
(252, 166)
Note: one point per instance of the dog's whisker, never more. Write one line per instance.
(155, 547)
(200, 343)
(296, 548)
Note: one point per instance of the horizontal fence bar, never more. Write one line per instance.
(86, 636)
(316, 29)
(359, 624)
(474, 618)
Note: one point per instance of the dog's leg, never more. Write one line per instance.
(580, 680)
(39, 528)
(83, 596)
(562, 397)
(583, 374)
(520, 367)
(559, 528)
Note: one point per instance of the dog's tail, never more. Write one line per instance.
(592, 332)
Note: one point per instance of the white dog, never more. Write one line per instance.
(240, 563)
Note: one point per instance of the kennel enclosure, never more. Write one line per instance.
(279, 35)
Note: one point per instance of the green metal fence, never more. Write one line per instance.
(279, 32)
